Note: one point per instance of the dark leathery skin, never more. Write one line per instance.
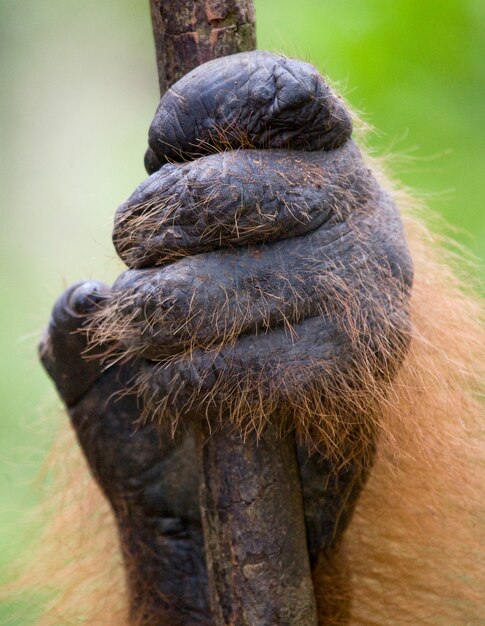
(257, 99)
(202, 299)
(276, 267)
(236, 198)
(274, 293)
(204, 316)
(152, 484)
(149, 477)
(64, 341)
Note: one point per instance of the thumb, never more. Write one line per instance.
(64, 345)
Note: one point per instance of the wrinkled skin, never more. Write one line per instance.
(228, 251)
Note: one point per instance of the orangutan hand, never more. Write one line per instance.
(268, 273)
(268, 268)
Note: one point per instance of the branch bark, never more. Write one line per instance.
(252, 513)
(190, 32)
(251, 502)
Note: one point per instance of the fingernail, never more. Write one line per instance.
(86, 298)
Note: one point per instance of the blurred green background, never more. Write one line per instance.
(78, 90)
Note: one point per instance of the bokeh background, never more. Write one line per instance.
(78, 88)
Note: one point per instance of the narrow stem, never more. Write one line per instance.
(251, 502)
(190, 32)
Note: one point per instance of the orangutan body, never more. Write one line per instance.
(269, 276)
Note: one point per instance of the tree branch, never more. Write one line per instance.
(251, 502)
(190, 32)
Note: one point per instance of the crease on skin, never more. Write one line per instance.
(144, 214)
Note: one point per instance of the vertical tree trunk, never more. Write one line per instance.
(251, 502)
(190, 32)
(254, 530)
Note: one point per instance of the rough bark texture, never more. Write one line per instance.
(254, 532)
(190, 32)
(252, 509)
